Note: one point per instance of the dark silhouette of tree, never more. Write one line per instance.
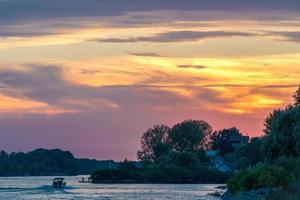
(183, 159)
(282, 133)
(251, 151)
(282, 128)
(190, 135)
(297, 97)
(126, 164)
(3, 155)
(44, 162)
(221, 140)
(154, 143)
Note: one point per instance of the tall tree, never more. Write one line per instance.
(154, 143)
(221, 140)
(190, 135)
(282, 128)
(282, 133)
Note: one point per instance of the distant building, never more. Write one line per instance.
(211, 153)
(218, 163)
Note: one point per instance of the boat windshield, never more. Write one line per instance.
(58, 179)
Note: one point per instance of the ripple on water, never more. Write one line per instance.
(40, 188)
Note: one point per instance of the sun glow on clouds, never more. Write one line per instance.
(231, 79)
(238, 65)
(22, 106)
(232, 82)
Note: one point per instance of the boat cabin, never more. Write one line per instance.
(58, 183)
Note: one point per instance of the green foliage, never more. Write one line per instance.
(266, 175)
(243, 162)
(154, 143)
(221, 140)
(170, 174)
(112, 175)
(169, 156)
(182, 145)
(160, 142)
(282, 133)
(250, 152)
(280, 148)
(180, 159)
(292, 165)
(43, 162)
(37, 163)
(126, 164)
(189, 135)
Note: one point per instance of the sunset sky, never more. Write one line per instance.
(90, 76)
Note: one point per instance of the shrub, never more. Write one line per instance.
(258, 177)
(171, 174)
(265, 175)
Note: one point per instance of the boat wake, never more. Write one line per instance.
(44, 188)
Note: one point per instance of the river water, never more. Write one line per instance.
(40, 188)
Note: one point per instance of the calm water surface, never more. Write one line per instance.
(40, 188)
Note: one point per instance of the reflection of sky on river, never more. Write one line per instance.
(40, 188)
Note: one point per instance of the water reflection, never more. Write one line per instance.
(40, 188)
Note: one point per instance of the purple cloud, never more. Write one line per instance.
(176, 36)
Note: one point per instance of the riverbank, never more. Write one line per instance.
(291, 193)
(249, 195)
